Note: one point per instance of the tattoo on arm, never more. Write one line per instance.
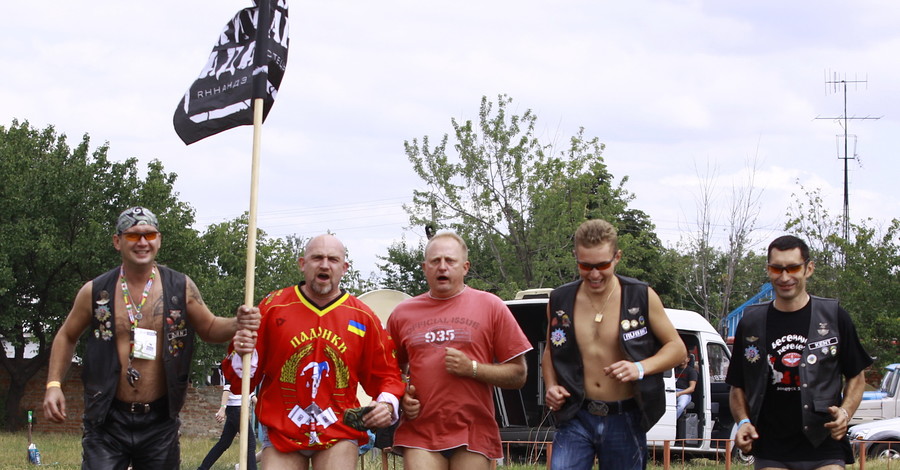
(194, 293)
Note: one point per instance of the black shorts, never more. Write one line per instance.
(145, 440)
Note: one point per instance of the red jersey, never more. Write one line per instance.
(310, 360)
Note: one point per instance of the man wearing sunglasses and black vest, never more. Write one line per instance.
(608, 343)
(140, 318)
(788, 397)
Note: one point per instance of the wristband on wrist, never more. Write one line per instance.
(640, 368)
(56, 384)
(474, 368)
(743, 422)
(846, 414)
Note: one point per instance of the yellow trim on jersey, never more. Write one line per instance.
(321, 312)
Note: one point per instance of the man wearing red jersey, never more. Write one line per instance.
(316, 343)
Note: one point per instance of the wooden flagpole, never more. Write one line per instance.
(250, 277)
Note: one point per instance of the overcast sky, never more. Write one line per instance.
(673, 88)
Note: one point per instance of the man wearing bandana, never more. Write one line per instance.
(141, 318)
(786, 371)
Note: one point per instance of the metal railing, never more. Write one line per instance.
(674, 454)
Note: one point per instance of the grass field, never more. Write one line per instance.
(63, 451)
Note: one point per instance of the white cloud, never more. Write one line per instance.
(666, 84)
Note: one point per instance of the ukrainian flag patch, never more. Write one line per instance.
(357, 328)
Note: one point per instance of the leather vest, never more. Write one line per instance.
(102, 369)
(636, 340)
(820, 372)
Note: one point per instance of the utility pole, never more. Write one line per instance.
(835, 84)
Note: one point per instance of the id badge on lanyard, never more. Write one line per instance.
(144, 343)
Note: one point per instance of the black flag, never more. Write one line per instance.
(247, 62)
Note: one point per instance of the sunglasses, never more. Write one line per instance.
(136, 237)
(790, 269)
(599, 266)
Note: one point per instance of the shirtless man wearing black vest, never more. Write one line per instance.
(608, 343)
(141, 320)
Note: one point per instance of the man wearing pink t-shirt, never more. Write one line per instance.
(458, 343)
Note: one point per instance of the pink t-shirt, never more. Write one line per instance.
(455, 410)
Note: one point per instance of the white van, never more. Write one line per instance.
(524, 418)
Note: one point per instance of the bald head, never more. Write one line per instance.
(325, 240)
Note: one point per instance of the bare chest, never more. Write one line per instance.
(596, 331)
(129, 312)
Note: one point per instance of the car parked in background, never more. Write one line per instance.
(881, 438)
(883, 403)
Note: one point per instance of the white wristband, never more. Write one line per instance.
(640, 368)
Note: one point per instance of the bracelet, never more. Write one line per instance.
(56, 384)
(846, 415)
(640, 368)
(223, 406)
(474, 369)
(743, 422)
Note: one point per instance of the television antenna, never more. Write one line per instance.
(837, 84)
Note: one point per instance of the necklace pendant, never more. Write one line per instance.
(598, 318)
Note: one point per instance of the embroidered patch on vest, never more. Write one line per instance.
(563, 318)
(104, 328)
(177, 331)
(833, 341)
(558, 337)
(634, 334)
(751, 353)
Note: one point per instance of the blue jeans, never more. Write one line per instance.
(681, 403)
(617, 441)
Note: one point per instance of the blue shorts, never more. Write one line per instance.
(616, 440)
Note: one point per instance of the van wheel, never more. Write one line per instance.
(886, 451)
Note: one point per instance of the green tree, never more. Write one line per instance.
(402, 268)
(516, 201)
(56, 223)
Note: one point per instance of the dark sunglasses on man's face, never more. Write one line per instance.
(777, 269)
(136, 237)
(598, 266)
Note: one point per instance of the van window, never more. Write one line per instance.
(718, 362)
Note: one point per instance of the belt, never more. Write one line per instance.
(604, 408)
(141, 408)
